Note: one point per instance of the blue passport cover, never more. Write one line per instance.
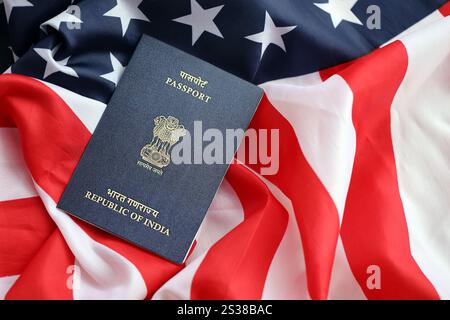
(126, 182)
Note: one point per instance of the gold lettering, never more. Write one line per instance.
(183, 75)
(187, 89)
(157, 227)
(111, 205)
(124, 211)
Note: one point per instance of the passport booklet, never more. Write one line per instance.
(144, 176)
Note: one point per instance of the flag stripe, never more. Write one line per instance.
(421, 138)
(225, 214)
(15, 182)
(5, 285)
(320, 114)
(236, 266)
(374, 230)
(109, 275)
(286, 280)
(29, 104)
(51, 165)
(25, 226)
(48, 275)
(315, 211)
(154, 269)
(445, 9)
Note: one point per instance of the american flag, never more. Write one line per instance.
(359, 208)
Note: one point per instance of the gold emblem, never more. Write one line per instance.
(166, 133)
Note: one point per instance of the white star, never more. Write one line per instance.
(271, 34)
(11, 4)
(56, 21)
(52, 65)
(126, 10)
(201, 20)
(118, 69)
(340, 10)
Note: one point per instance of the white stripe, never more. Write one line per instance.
(286, 278)
(179, 287)
(224, 214)
(102, 273)
(5, 284)
(89, 111)
(321, 115)
(15, 181)
(421, 137)
(343, 285)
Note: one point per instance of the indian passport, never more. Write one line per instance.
(161, 149)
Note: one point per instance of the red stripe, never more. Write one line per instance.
(48, 275)
(24, 225)
(315, 211)
(237, 265)
(445, 9)
(52, 137)
(374, 229)
(329, 72)
(52, 151)
(6, 123)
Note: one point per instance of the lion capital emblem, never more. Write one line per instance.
(166, 133)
